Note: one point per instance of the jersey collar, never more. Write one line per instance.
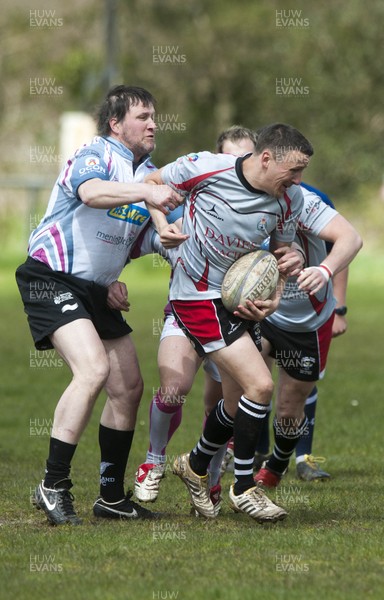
(240, 174)
(125, 152)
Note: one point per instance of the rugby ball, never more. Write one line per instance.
(252, 277)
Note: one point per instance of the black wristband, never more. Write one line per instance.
(341, 311)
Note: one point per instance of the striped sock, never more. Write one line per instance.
(247, 429)
(164, 419)
(217, 431)
(287, 434)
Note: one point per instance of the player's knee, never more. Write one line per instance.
(95, 375)
(261, 391)
(174, 392)
(126, 391)
(138, 389)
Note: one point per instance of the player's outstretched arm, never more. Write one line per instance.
(97, 193)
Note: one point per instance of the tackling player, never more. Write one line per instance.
(97, 209)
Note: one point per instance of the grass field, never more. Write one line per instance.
(331, 545)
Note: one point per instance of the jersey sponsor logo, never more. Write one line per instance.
(92, 168)
(212, 212)
(228, 241)
(116, 240)
(313, 206)
(67, 307)
(129, 213)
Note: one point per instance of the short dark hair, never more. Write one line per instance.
(235, 134)
(118, 102)
(280, 139)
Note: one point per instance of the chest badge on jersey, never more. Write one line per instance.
(129, 213)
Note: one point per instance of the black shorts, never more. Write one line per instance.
(303, 355)
(52, 299)
(210, 326)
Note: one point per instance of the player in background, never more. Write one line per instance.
(97, 209)
(299, 333)
(307, 467)
(232, 205)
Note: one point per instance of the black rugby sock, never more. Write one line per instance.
(114, 450)
(287, 435)
(58, 464)
(218, 430)
(247, 429)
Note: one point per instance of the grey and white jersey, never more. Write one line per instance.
(225, 218)
(298, 311)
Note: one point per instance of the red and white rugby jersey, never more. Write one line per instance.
(225, 218)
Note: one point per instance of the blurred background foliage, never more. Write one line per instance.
(210, 64)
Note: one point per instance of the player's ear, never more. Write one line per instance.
(266, 157)
(114, 125)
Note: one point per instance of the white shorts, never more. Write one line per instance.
(171, 328)
(211, 369)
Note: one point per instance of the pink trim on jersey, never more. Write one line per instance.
(69, 163)
(57, 237)
(200, 318)
(189, 184)
(41, 256)
(324, 338)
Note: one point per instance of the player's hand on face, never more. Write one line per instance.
(164, 198)
(311, 280)
(171, 236)
(117, 298)
(290, 261)
(257, 310)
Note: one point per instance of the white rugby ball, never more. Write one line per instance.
(252, 277)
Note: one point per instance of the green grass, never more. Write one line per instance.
(329, 547)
